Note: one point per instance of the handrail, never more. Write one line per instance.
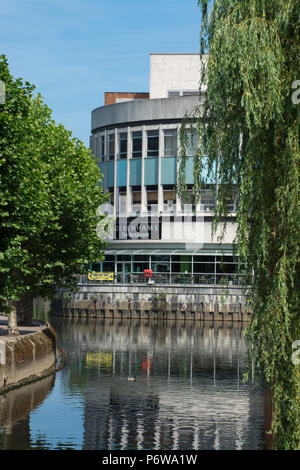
(219, 279)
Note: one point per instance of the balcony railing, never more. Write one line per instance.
(211, 279)
(152, 209)
(155, 209)
(169, 208)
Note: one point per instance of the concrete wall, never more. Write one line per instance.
(27, 355)
(147, 301)
(196, 232)
(173, 72)
(142, 110)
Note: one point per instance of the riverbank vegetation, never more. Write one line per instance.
(250, 125)
(49, 192)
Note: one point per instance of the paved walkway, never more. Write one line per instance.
(23, 330)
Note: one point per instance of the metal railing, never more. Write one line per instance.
(212, 279)
(156, 209)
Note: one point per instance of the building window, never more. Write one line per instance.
(108, 267)
(204, 264)
(136, 202)
(188, 202)
(137, 144)
(170, 142)
(183, 93)
(152, 200)
(207, 201)
(123, 145)
(160, 264)
(152, 143)
(169, 200)
(96, 267)
(111, 146)
(102, 148)
(231, 203)
(139, 267)
(192, 142)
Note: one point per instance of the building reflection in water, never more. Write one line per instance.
(187, 391)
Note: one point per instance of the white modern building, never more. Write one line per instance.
(135, 139)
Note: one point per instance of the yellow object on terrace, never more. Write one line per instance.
(100, 276)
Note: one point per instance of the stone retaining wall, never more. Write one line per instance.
(27, 355)
(161, 302)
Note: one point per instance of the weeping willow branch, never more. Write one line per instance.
(250, 52)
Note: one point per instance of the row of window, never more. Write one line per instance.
(188, 202)
(152, 143)
(172, 93)
(181, 258)
(170, 264)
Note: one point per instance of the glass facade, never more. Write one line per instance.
(111, 146)
(142, 183)
(152, 143)
(137, 144)
(102, 148)
(192, 142)
(180, 268)
(170, 142)
(122, 145)
(155, 164)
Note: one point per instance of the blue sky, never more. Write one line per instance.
(75, 50)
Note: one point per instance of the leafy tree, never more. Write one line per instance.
(49, 192)
(250, 52)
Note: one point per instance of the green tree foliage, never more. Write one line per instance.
(49, 192)
(251, 56)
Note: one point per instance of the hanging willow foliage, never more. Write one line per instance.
(250, 51)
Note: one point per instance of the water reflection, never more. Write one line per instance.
(186, 389)
(15, 407)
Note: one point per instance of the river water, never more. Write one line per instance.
(139, 385)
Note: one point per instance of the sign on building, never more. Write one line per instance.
(100, 276)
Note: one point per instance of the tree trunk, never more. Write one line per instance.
(12, 323)
(24, 308)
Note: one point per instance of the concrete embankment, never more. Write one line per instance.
(26, 357)
(157, 302)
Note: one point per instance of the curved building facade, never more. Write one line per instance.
(136, 143)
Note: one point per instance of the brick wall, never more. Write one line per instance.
(111, 97)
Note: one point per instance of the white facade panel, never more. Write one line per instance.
(198, 232)
(174, 72)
